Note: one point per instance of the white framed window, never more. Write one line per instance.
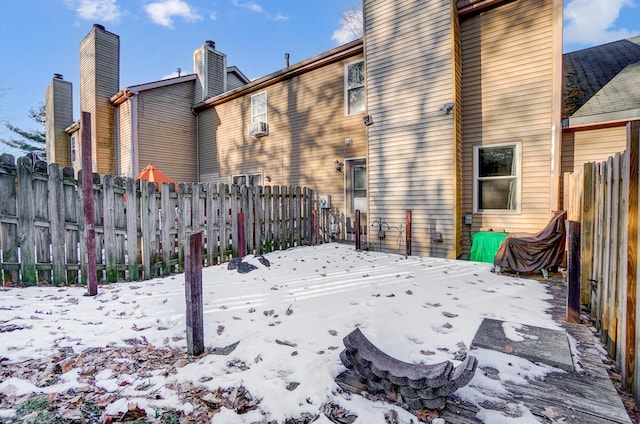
(259, 107)
(497, 178)
(250, 179)
(72, 149)
(354, 88)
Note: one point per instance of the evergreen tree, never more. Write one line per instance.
(29, 141)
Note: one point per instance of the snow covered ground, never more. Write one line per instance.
(289, 320)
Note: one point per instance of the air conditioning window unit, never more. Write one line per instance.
(258, 129)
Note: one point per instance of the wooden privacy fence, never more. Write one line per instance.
(141, 232)
(603, 197)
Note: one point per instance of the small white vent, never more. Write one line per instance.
(258, 129)
(324, 202)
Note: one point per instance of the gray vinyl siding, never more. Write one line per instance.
(413, 157)
(167, 131)
(208, 123)
(507, 58)
(123, 139)
(99, 80)
(198, 69)
(59, 115)
(217, 73)
(307, 129)
(233, 81)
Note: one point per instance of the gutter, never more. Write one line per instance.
(345, 51)
(468, 7)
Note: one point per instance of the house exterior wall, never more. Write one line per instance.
(59, 115)
(413, 157)
(594, 145)
(167, 131)
(123, 140)
(508, 55)
(307, 132)
(99, 80)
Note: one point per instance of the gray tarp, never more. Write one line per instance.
(529, 252)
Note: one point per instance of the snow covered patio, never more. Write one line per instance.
(122, 354)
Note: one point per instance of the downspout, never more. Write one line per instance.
(134, 135)
(556, 109)
(197, 115)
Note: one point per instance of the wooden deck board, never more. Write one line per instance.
(585, 397)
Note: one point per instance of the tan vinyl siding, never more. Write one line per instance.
(507, 57)
(59, 115)
(307, 132)
(410, 73)
(123, 139)
(99, 80)
(591, 146)
(167, 131)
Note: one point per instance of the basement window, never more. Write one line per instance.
(496, 170)
(250, 180)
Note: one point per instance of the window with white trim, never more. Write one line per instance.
(251, 179)
(496, 178)
(73, 148)
(354, 88)
(259, 107)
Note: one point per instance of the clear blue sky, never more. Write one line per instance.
(41, 37)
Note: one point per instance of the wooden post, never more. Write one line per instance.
(631, 374)
(357, 225)
(242, 245)
(586, 236)
(87, 196)
(408, 233)
(573, 271)
(314, 227)
(193, 295)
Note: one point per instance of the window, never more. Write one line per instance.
(259, 107)
(354, 87)
(496, 178)
(73, 148)
(254, 179)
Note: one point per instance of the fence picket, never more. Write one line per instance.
(140, 232)
(26, 222)
(56, 219)
(109, 229)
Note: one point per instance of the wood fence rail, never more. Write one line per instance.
(603, 197)
(141, 231)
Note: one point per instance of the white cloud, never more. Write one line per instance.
(349, 26)
(162, 12)
(251, 5)
(591, 22)
(100, 10)
(280, 17)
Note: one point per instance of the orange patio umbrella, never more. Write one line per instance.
(154, 175)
